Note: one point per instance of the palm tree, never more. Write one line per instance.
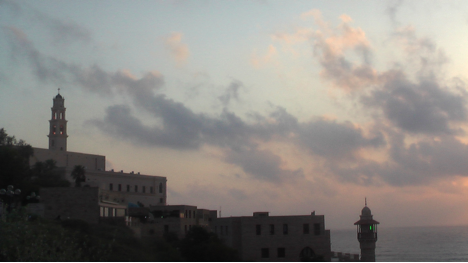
(78, 174)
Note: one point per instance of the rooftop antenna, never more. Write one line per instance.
(365, 200)
(219, 211)
(58, 90)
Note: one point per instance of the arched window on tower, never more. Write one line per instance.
(54, 128)
(61, 129)
(54, 115)
(61, 115)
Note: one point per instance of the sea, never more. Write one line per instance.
(409, 244)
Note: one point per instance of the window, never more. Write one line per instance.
(120, 187)
(317, 229)
(285, 229)
(54, 128)
(281, 252)
(265, 253)
(160, 188)
(144, 189)
(111, 187)
(136, 188)
(61, 129)
(61, 115)
(151, 190)
(272, 229)
(128, 188)
(258, 229)
(305, 229)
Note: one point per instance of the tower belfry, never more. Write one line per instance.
(367, 234)
(58, 125)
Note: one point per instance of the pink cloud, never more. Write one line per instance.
(178, 50)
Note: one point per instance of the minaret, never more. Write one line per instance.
(58, 125)
(367, 234)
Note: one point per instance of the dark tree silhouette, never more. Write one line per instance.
(201, 245)
(79, 174)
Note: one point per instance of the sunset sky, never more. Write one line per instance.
(279, 106)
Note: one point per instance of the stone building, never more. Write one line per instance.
(275, 238)
(91, 204)
(177, 219)
(145, 189)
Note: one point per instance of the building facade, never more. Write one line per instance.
(276, 238)
(139, 188)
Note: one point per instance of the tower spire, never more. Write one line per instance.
(58, 125)
(365, 200)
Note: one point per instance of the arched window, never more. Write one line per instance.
(307, 254)
(160, 188)
(61, 129)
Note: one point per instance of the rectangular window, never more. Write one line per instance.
(144, 189)
(258, 229)
(227, 231)
(272, 229)
(128, 188)
(281, 252)
(111, 187)
(285, 229)
(317, 229)
(305, 229)
(265, 253)
(151, 190)
(120, 187)
(136, 188)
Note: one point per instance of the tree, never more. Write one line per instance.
(201, 245)
(43, 240)
(14, 161)
(79, 174)
(46, 174)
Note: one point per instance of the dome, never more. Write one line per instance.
(366, 211)
(58, 96)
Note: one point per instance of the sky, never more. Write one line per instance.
(281, 106)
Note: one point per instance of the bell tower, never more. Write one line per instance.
(58, 125)
(367, 234)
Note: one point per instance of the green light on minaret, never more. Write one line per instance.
(370, 227)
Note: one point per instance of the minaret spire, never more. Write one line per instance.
(367, 233)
